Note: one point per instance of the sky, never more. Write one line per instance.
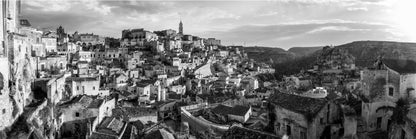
(272, 23)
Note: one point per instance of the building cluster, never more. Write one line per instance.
(336, 99)
(143, 85)
(167, 84)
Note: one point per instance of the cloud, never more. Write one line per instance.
(295, 34)
(135, 7)
(269, 13)
(263, 22)
(357, 9)
(334, 28)
(48, 5)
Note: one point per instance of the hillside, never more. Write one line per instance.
(304, 51)
(278, 55)
(365, 52)
(264, 54)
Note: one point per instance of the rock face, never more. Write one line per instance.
(6, 107)
(333, 58)
(366, 52)
(304, 51)
(17, 67)
(18, 72)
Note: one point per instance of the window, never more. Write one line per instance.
(403, 136)
(4, 111)
(77, 114)
(391, 91)
(379, 122)
(303, 135)
(288, 130)
(322, 120)
(77, 87)
(388, 124)
(409, 92)
(93, 88)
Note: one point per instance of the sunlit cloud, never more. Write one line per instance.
(281, 23)
(357, 9)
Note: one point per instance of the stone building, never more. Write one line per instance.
(236, 132)
(50, 44)
(83, 107)
(85, 86)
(382, 86)
(17, 70)
(237, 113)
(90, 39)
(52, 64)
(140, 34)
(212, 42)
(303, 117)
(166, 33)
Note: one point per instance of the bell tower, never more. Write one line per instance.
(180, 27)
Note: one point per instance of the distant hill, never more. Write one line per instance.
(264, 54)
(278, 55)
(304, 51)
(285, 62)
(365, 52)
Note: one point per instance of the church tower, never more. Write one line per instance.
(180, 27)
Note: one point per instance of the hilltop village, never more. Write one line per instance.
(171, 85)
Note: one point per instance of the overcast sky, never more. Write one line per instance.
(277, 23)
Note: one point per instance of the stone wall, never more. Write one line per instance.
(313, 128)
(373, 110)
(204, 71)
(296, 122)
(408, 86)
(373, 84)
(6, 107)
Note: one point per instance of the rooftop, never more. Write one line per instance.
(401, 66)
(302, 105)
(78, 79)
(85, 101)
(159, 134)
(96, 103)
(236, 110)
(112, 126)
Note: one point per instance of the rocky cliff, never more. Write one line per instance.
(362, 53)
(366, 52)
